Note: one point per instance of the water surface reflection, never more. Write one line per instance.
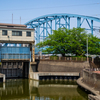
(23, 89)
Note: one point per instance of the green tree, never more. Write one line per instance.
(94, 45)
(64, 41)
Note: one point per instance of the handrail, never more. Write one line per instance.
(60, 58)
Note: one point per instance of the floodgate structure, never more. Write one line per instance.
(17, 50)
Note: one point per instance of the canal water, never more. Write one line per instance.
(24, 89)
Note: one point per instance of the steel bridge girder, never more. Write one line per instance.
(44, 23)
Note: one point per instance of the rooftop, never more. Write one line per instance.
(14, 26)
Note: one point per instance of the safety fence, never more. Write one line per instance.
(57, 58)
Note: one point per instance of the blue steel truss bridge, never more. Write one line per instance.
(45, 24)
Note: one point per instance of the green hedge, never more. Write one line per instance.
(79, 58)
(54, 58)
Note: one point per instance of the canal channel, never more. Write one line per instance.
(24, 89)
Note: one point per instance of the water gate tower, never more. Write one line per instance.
(17, 50)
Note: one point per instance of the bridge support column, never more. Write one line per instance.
(92, 27)
(46, 28)
(55, 23)
(43, 31)
(59, 23)
(51, 26)
(68, 22)
(33, 53)
(78, 22)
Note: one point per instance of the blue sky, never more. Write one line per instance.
(30, 9)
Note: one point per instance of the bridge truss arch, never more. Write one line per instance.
(45, 24)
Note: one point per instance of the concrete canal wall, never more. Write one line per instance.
(2, 77)
(61, 66)
(90, 82)
(56, 68)
(94, 93)
(92, 78)
(53, 75)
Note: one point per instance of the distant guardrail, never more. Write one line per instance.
(60, 58)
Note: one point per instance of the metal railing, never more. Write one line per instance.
(60, 58)
(15, 56)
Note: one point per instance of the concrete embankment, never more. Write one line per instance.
(2, 77)
(56, 69)
(86, 87)
(61, 66)
(95, 96)
(36, 75)
(91, 82)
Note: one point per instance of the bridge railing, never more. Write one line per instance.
(56, 58)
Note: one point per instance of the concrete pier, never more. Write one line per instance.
(36, 75)
(96, 95)
(2, 77)
(92, 97)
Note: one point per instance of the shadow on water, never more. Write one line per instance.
(23, 89)
(82, 92)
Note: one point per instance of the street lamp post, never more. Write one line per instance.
(87, 48)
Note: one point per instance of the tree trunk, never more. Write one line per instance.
(63, 55)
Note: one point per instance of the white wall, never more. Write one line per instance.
(16, 38)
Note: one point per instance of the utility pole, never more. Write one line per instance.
(20, 20)
(12, 18)
(87, 48)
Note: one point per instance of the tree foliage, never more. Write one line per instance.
(73, 41)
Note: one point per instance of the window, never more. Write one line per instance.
(28, 33)
(14, 63)
(16, 33)
(19, 63)
(4, 32)
(9, 63)
(4, 63)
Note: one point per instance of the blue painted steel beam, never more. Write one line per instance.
(68, 22)
(88, 23)
(65, 18)
(92, 27)
(55, 23)
(43, 31)
(51, 26)
(44, 23)
(64, 14)
(59, 22)
(78, 21)
(82, 21)
(46, 28)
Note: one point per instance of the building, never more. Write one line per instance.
(17, 50)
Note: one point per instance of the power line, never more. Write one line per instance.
(95, 14)
(53, 7)
(32, 18)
